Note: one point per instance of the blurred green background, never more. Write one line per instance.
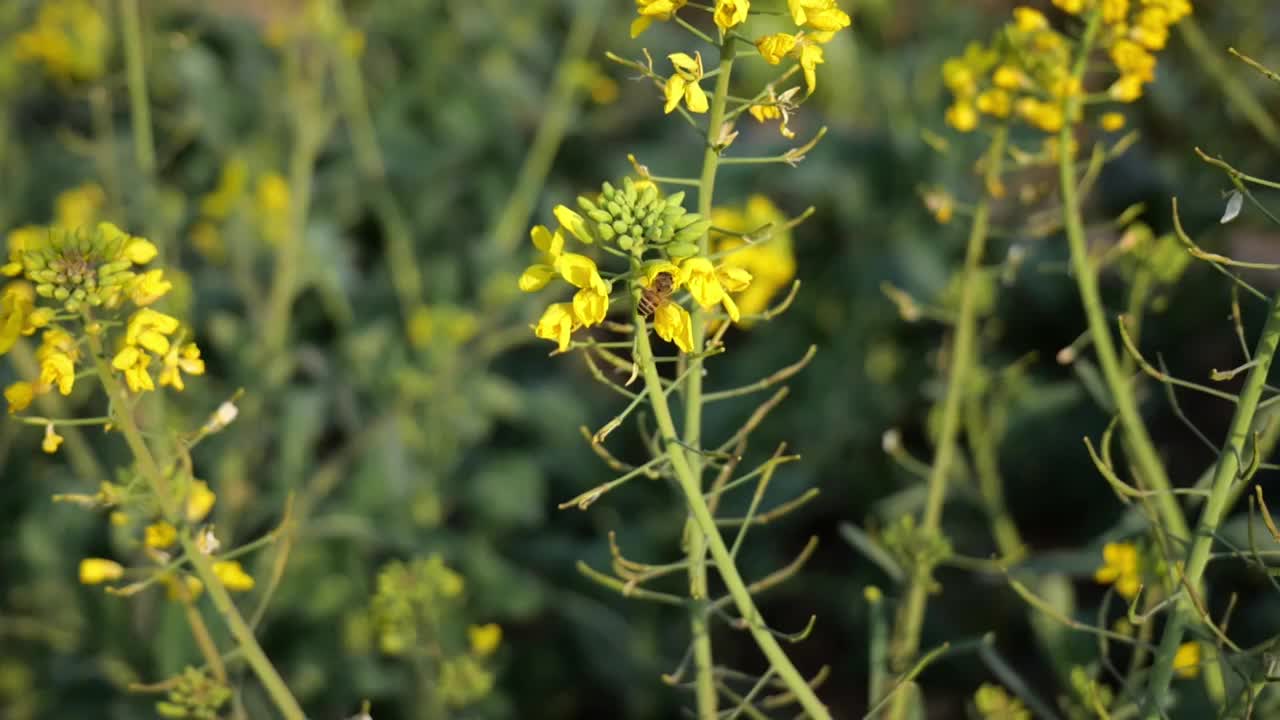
(412, 412)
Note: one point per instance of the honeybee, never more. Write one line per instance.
(657, 294)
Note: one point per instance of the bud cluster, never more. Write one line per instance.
(636, 218)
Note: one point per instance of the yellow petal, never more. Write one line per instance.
(536, 277)
(696, 98)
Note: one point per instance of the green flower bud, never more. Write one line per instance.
(605, 231)
(681, 250)
(626, 242)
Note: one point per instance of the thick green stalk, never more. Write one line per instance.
(1141, 450)
(706, 525)
(696, 548)
(1225, 475)
(154, 475)
(906, 641)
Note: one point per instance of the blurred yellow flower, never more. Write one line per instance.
(1112, 121)
(79, 207)
(70, 38)
(1120, 566)
(484, 639)
(200, 500)
(219, 203)
(232, 576)
(52, 440)
(184, 359)
(773, 48)
(19, 396)
(1186, 661)
(160, 535)
(771, 263)
(95, 571)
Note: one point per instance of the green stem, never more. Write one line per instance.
(1150, 469)
(310, 127)
(906, 642)
(1236, 91)
(696, 547)
(144, 149)
(560, 106)
(154, 475)
(1225, 475)
(701, 515)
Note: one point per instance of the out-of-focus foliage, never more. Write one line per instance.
(407, 413)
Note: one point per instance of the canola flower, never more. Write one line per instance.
(70, 38)
(658, 239)
(770, 263)
(1025, 74)
(1121, 567)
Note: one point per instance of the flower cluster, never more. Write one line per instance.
(70, 38)
(417, 610)
(659, 240)
(1026, 72)
(817, 21)
(266, 204)
(80, 273)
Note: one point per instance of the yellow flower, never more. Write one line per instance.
(1120, 566)
(1115, 11)
(536, 276)
(580, 271)
(52, 440)
(232, 576)
(149, 287)
(684, 83)
(590, 306)
(70, 38)
(1008, 77)
(1133, 59)
(993, 703)
(160, 535)
(775, 109)
(821, 15)
(810, 59)
(58, 370)
(21, 240)
(19, 395)
(95, 571)
(1075, 7)
(771, 263)
(180, 360)
(556, 324)
(1186, 661)
(651, 10)
(1029, 19)
(134, 363)
(200, 500)
(995, 102)
(150, 329)
(1112, 121)
(673, 324)
(773, 48)
(78, 207)
(573, 222)
(1127, 88)
(16, 305)
(962, 116)
(484, 639)
(731, 12)
(140, 251)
